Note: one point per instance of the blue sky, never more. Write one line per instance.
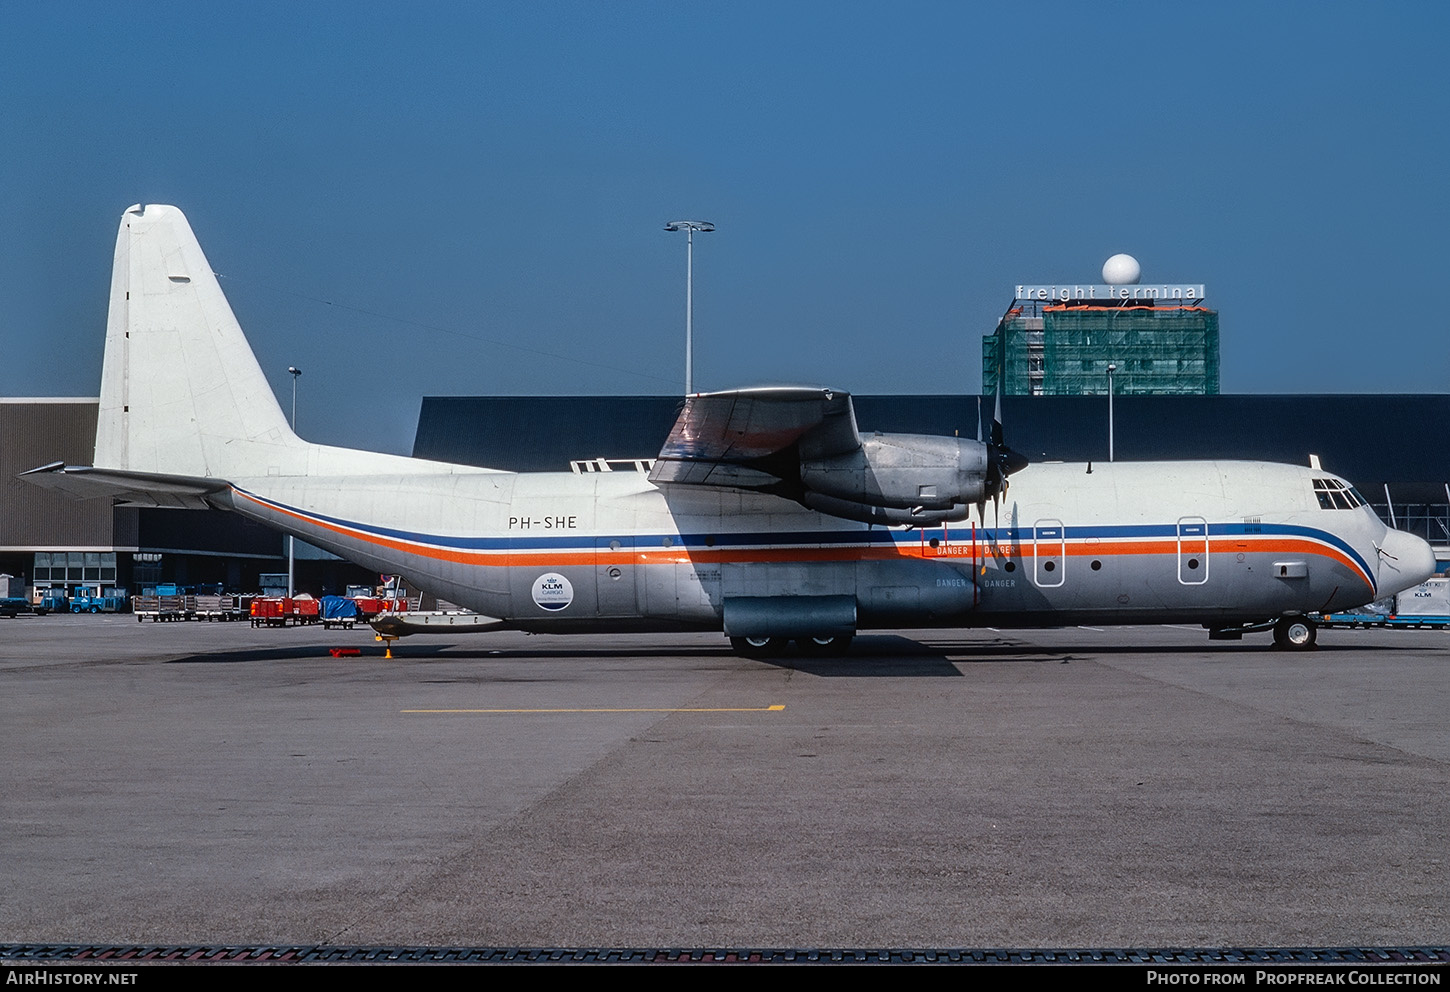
(468, 198)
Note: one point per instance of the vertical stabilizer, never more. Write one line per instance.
(181, 392)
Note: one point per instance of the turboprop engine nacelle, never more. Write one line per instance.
(915, 472)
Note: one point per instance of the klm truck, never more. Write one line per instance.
(1426, 605)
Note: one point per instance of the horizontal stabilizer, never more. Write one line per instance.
(127, 488)
(403, 624)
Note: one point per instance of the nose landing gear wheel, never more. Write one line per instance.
(1295, 634)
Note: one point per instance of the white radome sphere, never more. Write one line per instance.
(1122, 270)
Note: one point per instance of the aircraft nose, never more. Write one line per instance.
(1405, 561)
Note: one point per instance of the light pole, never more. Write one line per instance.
(1111, 369)
(690, 227)
(295, 372)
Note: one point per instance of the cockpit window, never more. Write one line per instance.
(1335, 495)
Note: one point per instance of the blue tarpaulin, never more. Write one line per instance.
(338, 608)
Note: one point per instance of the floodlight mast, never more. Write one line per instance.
(294, 372)
(690, 227)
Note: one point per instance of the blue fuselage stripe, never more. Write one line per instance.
(869, 536)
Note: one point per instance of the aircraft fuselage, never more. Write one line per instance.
(1218, 543)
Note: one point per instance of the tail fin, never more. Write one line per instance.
(181, 392)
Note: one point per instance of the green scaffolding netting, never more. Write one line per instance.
(1066, 352)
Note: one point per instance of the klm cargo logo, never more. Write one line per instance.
(553, 592)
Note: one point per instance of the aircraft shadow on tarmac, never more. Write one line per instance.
(870, 656)
(297, 652)
(893, 656)
(885, 655)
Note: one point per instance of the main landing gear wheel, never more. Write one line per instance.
(1295, 634)
(758, 647)
(825, 647)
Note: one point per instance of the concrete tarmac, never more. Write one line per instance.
(1121, 787)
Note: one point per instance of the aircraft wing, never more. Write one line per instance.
(756, 438)
(803, 445)
(127, 488)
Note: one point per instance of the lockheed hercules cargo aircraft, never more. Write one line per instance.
(767, 514)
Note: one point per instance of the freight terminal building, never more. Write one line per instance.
(1070, 340)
